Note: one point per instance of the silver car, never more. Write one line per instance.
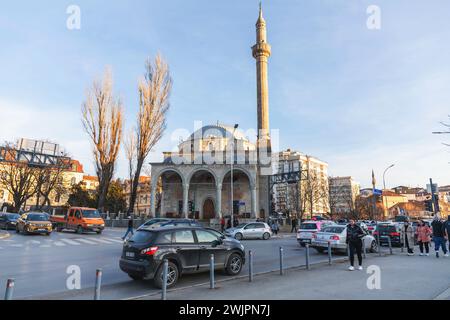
(251, 230)
(336, 235)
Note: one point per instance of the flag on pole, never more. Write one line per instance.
(373, 179)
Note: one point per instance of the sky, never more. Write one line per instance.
(356, 98)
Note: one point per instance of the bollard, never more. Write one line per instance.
(250, 266)
(404, 242)
(307, 256)
(378, 239)
(164, 280)
(364, 247)
(98, 284)
(9, 289)
(330, 257)
(211, 273)
(390, 244)
(281, 260)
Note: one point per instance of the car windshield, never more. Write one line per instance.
(153, 221)
(308, 226)
(242, 225)
(91, 214)
(142, 236)
(37, 217)
(12, 216)
(333, 229)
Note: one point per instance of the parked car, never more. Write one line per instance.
(337, 235)
(386, 230)
(79, 220)
(252, 230)
(188, 250)
(8, 220)
(307, 230)
(35, 223)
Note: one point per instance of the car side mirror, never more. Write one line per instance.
(215, 243)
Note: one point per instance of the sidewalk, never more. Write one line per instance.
(402, 277)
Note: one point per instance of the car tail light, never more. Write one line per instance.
(394, 234)
(149, 251)
(375, 233)
(335, 238)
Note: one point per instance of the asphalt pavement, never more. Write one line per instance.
(39, 264)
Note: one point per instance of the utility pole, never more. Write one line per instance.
(434, 199)
(231, 179)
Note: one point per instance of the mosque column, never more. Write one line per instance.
(152, 201)
(253, 196)
(185, 200)
(218, 201)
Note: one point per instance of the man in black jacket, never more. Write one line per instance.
(354, 241)
(439, 235)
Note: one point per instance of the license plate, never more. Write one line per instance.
(129, 254)
(42, 230)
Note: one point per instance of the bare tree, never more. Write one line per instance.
(18, 178)
(154, 93)
(102, 117)
(313, 190)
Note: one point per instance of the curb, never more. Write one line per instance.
(4, 235)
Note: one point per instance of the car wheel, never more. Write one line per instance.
(48, 234)
(266, 236)
(172, 275)
(135, 277)
(79, 230)
(99, 232)
(17, 229)
(234, 264)
(320, 250)
(374, 247)
(303, 244)
(238, 236)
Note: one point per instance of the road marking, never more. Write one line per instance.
(45, 246)
(33, 242)
(86, 241)
(59, 244)
(101, 240)
(68, 241)
(115, 240)
(443, 296)
(16, 245)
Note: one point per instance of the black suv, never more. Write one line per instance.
(188, 250)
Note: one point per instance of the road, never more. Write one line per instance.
(39, 264)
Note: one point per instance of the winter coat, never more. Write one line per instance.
(409, 230)
(354, 233)
(423, 233)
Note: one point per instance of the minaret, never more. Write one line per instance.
(261, 52)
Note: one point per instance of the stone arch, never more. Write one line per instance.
(242, 170)
(203, 202)
(200, 169)
(164, 170)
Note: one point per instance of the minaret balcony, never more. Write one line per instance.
(261, 49)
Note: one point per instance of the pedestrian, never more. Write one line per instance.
(294, 225)
(275, 227)
(447, 231)
(229, 223)
(354, 241)
(439, 235)
(423, 233)
(130, 227)
(408, 237)
(222, 224)
(235, 222)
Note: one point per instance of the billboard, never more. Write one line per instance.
(37, 146)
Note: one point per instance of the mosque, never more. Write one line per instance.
(217, 170)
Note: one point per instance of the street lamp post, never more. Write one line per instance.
(231, 179)
(384, 184)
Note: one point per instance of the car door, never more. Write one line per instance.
(259, 229)
(210, 244)
(249, 231)
(187, 249)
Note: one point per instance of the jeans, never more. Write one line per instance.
(439, 242)
(427, 246)
(355, 246)
(129, 230)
